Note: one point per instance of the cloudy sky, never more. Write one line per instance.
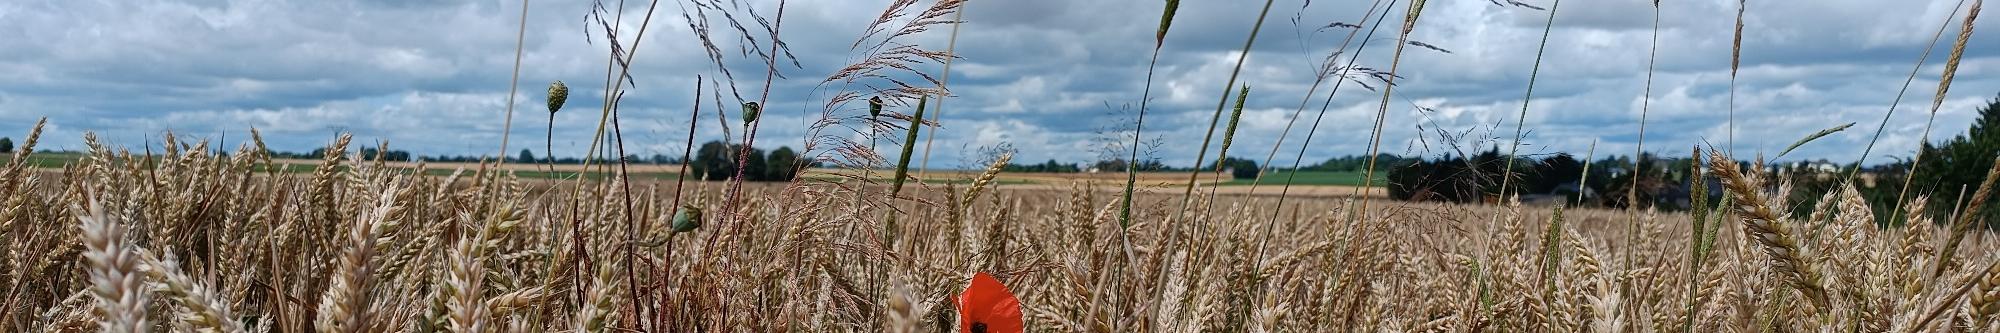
(1047, 77)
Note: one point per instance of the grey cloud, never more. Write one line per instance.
(1046, 76)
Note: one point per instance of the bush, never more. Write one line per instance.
(1443, 180)
(717, 161)
(714, 161)
(1238, 168)
(784, 165)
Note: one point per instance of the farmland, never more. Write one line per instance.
(1236, 261)
(175, 235)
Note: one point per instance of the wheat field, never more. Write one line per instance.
(184, 237)
(186, 240)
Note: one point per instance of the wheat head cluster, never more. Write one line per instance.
(187, 239)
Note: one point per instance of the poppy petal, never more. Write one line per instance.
(988, 302)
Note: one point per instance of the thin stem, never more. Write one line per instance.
(1639, 150)
(680, 182)
(1507, 174)
(513, 85)
(1645, 106)
(631, 227)
(750, 130)
(1735, 62)
(1138, 131)
(1340, 80)
(950, 51)
(1937, 101)
(1325, 72)
(1194, 176)
(1382, 109)
(548, 150)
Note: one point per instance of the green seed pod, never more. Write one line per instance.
(875, 106)
(687, 219)
(558, 93)
(750, 111)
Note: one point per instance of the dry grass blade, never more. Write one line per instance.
(1905, 88)
(1810, 138)
(1937, 100)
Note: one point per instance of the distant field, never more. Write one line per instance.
(45, 159)
(56, 160)
(1340, 178)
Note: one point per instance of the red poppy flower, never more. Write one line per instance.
(987, 307)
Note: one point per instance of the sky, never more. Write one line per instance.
(1051, 79)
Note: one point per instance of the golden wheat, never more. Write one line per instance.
(362, 247)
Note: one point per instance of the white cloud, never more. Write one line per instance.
(432, 76)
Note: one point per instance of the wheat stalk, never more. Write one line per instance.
(985, 179)
(115, 278)
(201, 307)
(1764, 226)
(346, 305)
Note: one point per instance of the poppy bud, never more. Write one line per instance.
(558, 93)
(875, 106)
(687, 219)
(750, 111)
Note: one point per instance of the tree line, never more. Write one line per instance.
(1948, 173)
(718, 161)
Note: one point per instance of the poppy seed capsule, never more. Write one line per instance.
(687, 219)
(875, 106)
(558, 93)
(750, 111)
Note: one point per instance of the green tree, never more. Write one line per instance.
(716, 161)
(712, 161)
(1447, 179)
(1961, 161)
(784, 164)
(1238, 168)
(526, 156)
(1553, 172)
(6, 145)
(757, 168)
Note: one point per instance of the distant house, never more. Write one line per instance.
(1561, 193)
(1674, 195)
(1811, 166)
(1569, 188)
